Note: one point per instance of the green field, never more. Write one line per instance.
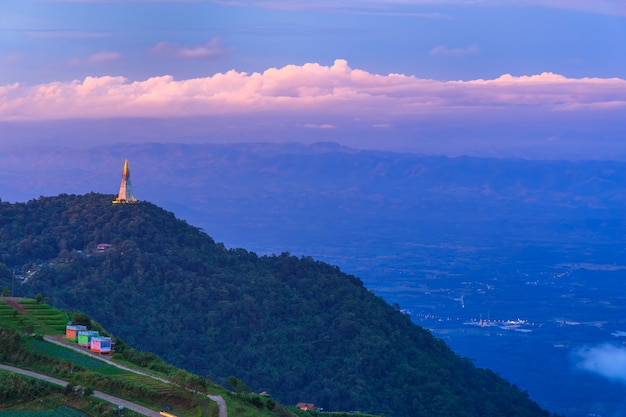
(59, 412)
(55, 351)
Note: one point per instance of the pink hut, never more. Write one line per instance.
(100, 344)
(71, 331)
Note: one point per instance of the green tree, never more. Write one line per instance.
(194, 382)
(270, 404)
(69, 389)
(5, 272)
(238, 385)
(6, 292)
(79, 318)
(38, 298)
(180, 377)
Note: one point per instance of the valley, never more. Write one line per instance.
(570, 298)
(541, 241)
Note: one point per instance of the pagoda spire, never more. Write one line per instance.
(125, 195)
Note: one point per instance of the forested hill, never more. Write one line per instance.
(300, 329)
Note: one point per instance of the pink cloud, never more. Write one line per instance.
(309, 89)
(210, 50)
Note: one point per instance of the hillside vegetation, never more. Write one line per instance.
(295, 327)
(143, 378)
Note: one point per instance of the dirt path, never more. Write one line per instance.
(15, 305)
(110, 398)
(221, 404)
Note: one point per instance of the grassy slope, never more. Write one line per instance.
(41, 319)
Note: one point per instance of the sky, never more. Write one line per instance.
(528, 78)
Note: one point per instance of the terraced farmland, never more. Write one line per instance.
(149, 382)
(13, 318)
(29, 315)
(50, 320)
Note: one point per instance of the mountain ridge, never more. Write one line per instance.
(291, 326)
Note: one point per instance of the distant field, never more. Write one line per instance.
(59, 412)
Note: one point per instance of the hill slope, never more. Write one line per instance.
(54, 374)
(300, 329)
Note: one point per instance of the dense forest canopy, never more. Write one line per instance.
(295, 327)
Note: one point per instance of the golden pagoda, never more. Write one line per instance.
(125, 195)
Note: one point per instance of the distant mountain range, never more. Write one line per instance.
(240, 191)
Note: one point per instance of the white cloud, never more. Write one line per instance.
(320, 126)
(336, 90)
(606, 360)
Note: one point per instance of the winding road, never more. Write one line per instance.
(110, 398)
(221, 404)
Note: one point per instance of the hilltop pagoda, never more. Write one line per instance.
(125, 195)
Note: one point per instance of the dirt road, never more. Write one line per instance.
(113, 400)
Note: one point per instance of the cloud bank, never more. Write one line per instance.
(606, 360)
(305, 89)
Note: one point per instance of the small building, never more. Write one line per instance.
(84, 338)
(306, 406)
(101, 344)
(71, 331)
(101, 247)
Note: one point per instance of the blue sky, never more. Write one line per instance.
(423, 75)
